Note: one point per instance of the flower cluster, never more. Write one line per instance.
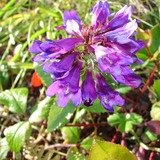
(79, 64)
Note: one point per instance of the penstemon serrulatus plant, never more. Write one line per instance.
(106, 47)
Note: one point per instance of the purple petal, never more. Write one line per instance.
(53, 89)
(124, 75)
(39, 58)
(89, 94)
(35, 47)
(121, 18)
(131, 47)
(122, 35)
(109, 57)
(72, 80)
(108, 97)
(72, 22)
(76, 98)
(58, 69)
(100, 13)
(53, 49)
(63, 99)
(50, 47)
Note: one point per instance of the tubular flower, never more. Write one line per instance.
(105, 48)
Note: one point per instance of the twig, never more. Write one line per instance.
(59, 145)
(123, 143)
(114, 139)
(151, 156)
(86, 125)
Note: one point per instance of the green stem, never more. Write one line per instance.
(144, 145)
(6, 7)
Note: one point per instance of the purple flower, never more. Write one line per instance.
(89, 94)
(67, 88)
(62, 67)
(108, 97)
(106, 47)
(72, 22)
(100, 13)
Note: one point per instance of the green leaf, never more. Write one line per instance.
(86, 143)
(124, 122)
(115, 119)
(4, 75)
(17, 134)
(123, 90)
(74, 154)
(150, 136)
(15, 99)
(4, 148)
(109, 151)
(155, 111)
(58, 116)
(70, 134)
(79, 114)
(156, 86)
(42, 111)
(155, 38)
(45, 77)
(96, 107)
(134, 118)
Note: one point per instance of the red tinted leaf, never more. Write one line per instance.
(154, 126)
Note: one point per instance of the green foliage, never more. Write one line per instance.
(42, 110)
(96, 107)
(17, 134)
(155, 38)
(4, 148)
(58, 116)
(15, 99)
(155, 111)
(109, 151)
(125, 122)
(150, 136)
(74, 154)
(4, 76)
(124, 90)
(87, 143)
(70, 134)
(46, 79)
(156, 86)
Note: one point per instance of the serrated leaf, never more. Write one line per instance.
(109, 151)
(155, 111)
(17, 134)
(134, 118)
(70, 134)
(45, 77)
(58, 116)
(74, 154)
(4, 148)
(96, 107)
(42, 111)
(124, 122)
(15, 99)
(115, 119)
(156, 86)
(86, 143)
